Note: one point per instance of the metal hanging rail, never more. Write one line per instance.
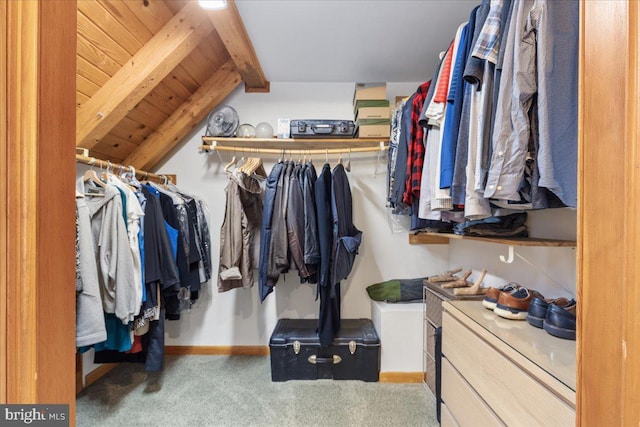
(92, 161)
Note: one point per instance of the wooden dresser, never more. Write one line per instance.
(433, 296)
(503, 372)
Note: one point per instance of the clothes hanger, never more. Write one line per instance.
(347, 166)
(130, 177)
(91, 175)
(254, 166)
(246, 166)
(260, 170)
(109, 171)
(120, 179)
(165, 179)
(230, 164)
(100, 186)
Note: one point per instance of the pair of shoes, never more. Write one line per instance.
(556, 316)
(515, 305)
(539, 307)
(561, 321)
(491, 297)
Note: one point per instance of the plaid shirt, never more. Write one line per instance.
(488, 42)
(415, 155)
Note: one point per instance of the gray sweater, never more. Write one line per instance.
(90, 327)
(113, 256)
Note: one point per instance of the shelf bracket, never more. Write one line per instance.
(510, 256)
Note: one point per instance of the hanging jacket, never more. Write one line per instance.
(295, 223)
(134, 214)
(279, 259)
(311, 243)
(265, 281)
(160, 262)
(113, 255)
(171, 216)
(90, 327)
(325, 227)
(242, 219)
(346, 237)
(328, 291)
(205, 239)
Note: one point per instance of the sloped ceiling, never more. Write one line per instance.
(352, 40)
(148, 71)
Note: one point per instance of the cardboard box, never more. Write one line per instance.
(374, 131)
(368, 122)
(369, 91)
(373, 113)
(367, 103)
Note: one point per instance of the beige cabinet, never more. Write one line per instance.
(503, 372)
(433, 295)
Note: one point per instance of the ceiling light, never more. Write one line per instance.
(213, 4)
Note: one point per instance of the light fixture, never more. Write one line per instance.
(213, 4)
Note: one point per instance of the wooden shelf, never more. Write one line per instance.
(443, 238)
(296, 143)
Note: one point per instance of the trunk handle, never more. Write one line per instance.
(313, 359)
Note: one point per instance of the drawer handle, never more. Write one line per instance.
(296, 347)
(313, 359)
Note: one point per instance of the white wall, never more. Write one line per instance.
(237, 317)
(549, 270)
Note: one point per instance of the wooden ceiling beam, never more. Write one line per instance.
(230, 28)
(185, 118)
(139, 76)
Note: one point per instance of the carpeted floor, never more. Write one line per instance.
(237, 391)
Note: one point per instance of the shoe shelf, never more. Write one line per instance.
(504, 372)
(261, 144)
(443, 238)
(554, 356)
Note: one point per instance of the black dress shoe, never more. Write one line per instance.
(539, 307)
(561, 321)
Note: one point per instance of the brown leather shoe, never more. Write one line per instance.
(491, 297)
(515, 305)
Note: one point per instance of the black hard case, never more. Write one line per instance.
(322, 128)
(335, 361)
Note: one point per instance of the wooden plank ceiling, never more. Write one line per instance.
(148, 71)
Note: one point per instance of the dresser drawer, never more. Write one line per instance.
(446, 418)
(433, 308)
(430, 373)
(463, 402)
(513, 394)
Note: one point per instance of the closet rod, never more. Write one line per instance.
(92, 161)
(299, 151)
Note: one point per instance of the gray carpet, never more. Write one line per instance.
(237, 391)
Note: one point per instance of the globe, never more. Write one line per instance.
(246, 131)
(264, 130)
